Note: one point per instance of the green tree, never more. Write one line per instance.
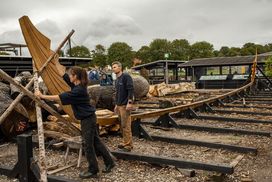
(224, 51)
(260, 49)
(158, 47)
(201, 50)
(180, 49)
(234, 51)
(99, 56)
(248, 49)
(79, 51)
(144, 54)
(268, 66)
(269, 47)
(122, 52)
(216, 53)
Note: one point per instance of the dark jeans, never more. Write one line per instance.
(93, 144)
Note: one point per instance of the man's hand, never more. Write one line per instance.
(115, 109)
(129, 107)
(38, 94)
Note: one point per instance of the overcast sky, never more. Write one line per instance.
(138, 22)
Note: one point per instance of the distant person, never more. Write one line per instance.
(124, 100)
(93, 75)
(105, 80)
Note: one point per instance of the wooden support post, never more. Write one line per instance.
(166, 121)
(42, 161)
(22, 168)
(5, 76)
(166, 73)
(139, 131)
(19, 97)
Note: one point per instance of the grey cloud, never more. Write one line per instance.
(94, 31)
(47, 27)
(224, 22)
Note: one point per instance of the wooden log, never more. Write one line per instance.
(235, 162)
(42, 160)
(23, 78)
(5, 76)
(19, 97)
(104, 96)
(17, 122)
(62, 168)
(58, 145)
(14, 103)
(57, 127)
(51, 168)
(56, 135)
(187, 172)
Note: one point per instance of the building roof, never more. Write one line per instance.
(159, 64)
(11, 45)
(225, 61)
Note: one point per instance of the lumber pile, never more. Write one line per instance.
(163, 89)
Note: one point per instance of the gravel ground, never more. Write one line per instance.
(250, 109)
(250, 168)
(237, 125)
(242, 116)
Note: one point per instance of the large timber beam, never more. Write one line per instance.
(183, 141)
(179, 163)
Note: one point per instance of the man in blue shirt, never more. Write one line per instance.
(124, 100)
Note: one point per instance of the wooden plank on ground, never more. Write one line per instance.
(235, 162)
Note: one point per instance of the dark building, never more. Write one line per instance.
(168, 71)
(16, 64)
(12, 47)
(222, 72)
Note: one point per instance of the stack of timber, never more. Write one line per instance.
(163, 89)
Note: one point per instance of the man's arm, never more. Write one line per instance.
(130, 89)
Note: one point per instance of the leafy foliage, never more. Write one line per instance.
(201, 50)
(268, 66)
(79, 51)
(158, 47)
(99, 56)
(122, 52)
(3, 53)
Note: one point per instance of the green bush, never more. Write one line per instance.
(268, 66)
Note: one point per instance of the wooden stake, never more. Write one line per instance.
(62, 168)
(19, 97)
(42, 104)
(42, 161)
